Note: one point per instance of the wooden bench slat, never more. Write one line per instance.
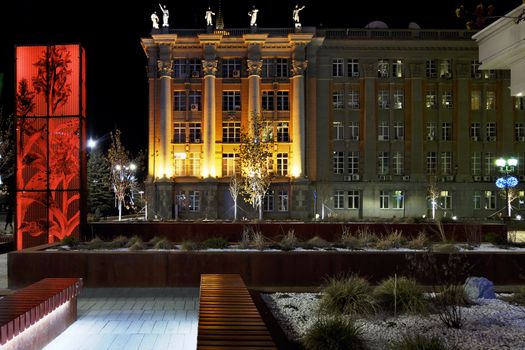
(228, 318)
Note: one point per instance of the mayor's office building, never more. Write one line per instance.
(361, 122)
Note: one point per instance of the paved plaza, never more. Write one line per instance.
(129, 318)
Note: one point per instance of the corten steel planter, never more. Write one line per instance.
(200, 231)
(258, 269)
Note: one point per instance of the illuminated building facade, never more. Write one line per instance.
(362, 122)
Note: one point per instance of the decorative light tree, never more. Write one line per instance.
(507, 181)
(122, 171)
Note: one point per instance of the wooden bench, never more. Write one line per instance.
(27, 306)
(228, 318)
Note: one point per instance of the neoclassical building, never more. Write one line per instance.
(362, 122)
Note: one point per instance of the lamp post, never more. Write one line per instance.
(506, 167)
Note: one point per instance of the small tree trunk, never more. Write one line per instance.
(119, 210)
(260, 210)
(235, 210)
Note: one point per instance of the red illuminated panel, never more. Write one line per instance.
(83, 86)
(64, 151)
(53, 77)
(31, 154)
(64, 215)
(32, 220)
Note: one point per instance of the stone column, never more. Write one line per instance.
(209, 69)
(164, 166)
(298, 118)
(254, 83)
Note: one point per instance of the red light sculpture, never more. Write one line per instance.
(50, 164)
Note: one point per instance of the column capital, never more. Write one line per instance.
(209, 67)
(254, 67)
(298, 67)
(165, 68)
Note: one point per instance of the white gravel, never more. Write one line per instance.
(490, 324)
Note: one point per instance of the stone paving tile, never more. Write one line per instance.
(126, 318)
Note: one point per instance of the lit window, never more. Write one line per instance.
(475, 100)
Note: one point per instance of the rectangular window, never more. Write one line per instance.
(490, 200)
(339, 159)
(397, 163)
(382, 163)
(179, 133)
(267, 132)
(491, 131)
(179, 68)
(475, 100)
(519, 132)
(353, 162)
(231, 68)
(446, 99)
(283, 134)
(431, 69)
(230, 164)
(282, 164)
(431, 131)
(382, 68)
(179, 100)
(474, 70)
(195, 132)
(353, 128)
(491, 101)
(179, 164)
(338, 100)
(353, 99)
(337, 67)
(445, 69)
(383, 133)
(397, 69)
(267, 102)
(339, 199)
(268, 201)
(398, 199)
(446, 200)
(431, 163)
(282, 200)
(194, 163)
(475, 131)
(281, 65)
(383, 199)
(383, 99)
(353, 67)
(399, 99)
(283, 101)
(476, 200)
(231, 132)
(446, 131)
(399, 131)
(519, 103)
(231, 101)
(338, 129)
(195, 100)
(195, 201)
(475, 163)
(446, 163)
(353, 199)
(268, 68)
(195, 67)
(431, 99)
(490, 167)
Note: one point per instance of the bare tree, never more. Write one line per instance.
(253, 156)
(433, 194)
(235, 189)
(123, 170)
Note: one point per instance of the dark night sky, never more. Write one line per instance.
(110, 31)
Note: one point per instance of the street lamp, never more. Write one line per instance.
(506, 167)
